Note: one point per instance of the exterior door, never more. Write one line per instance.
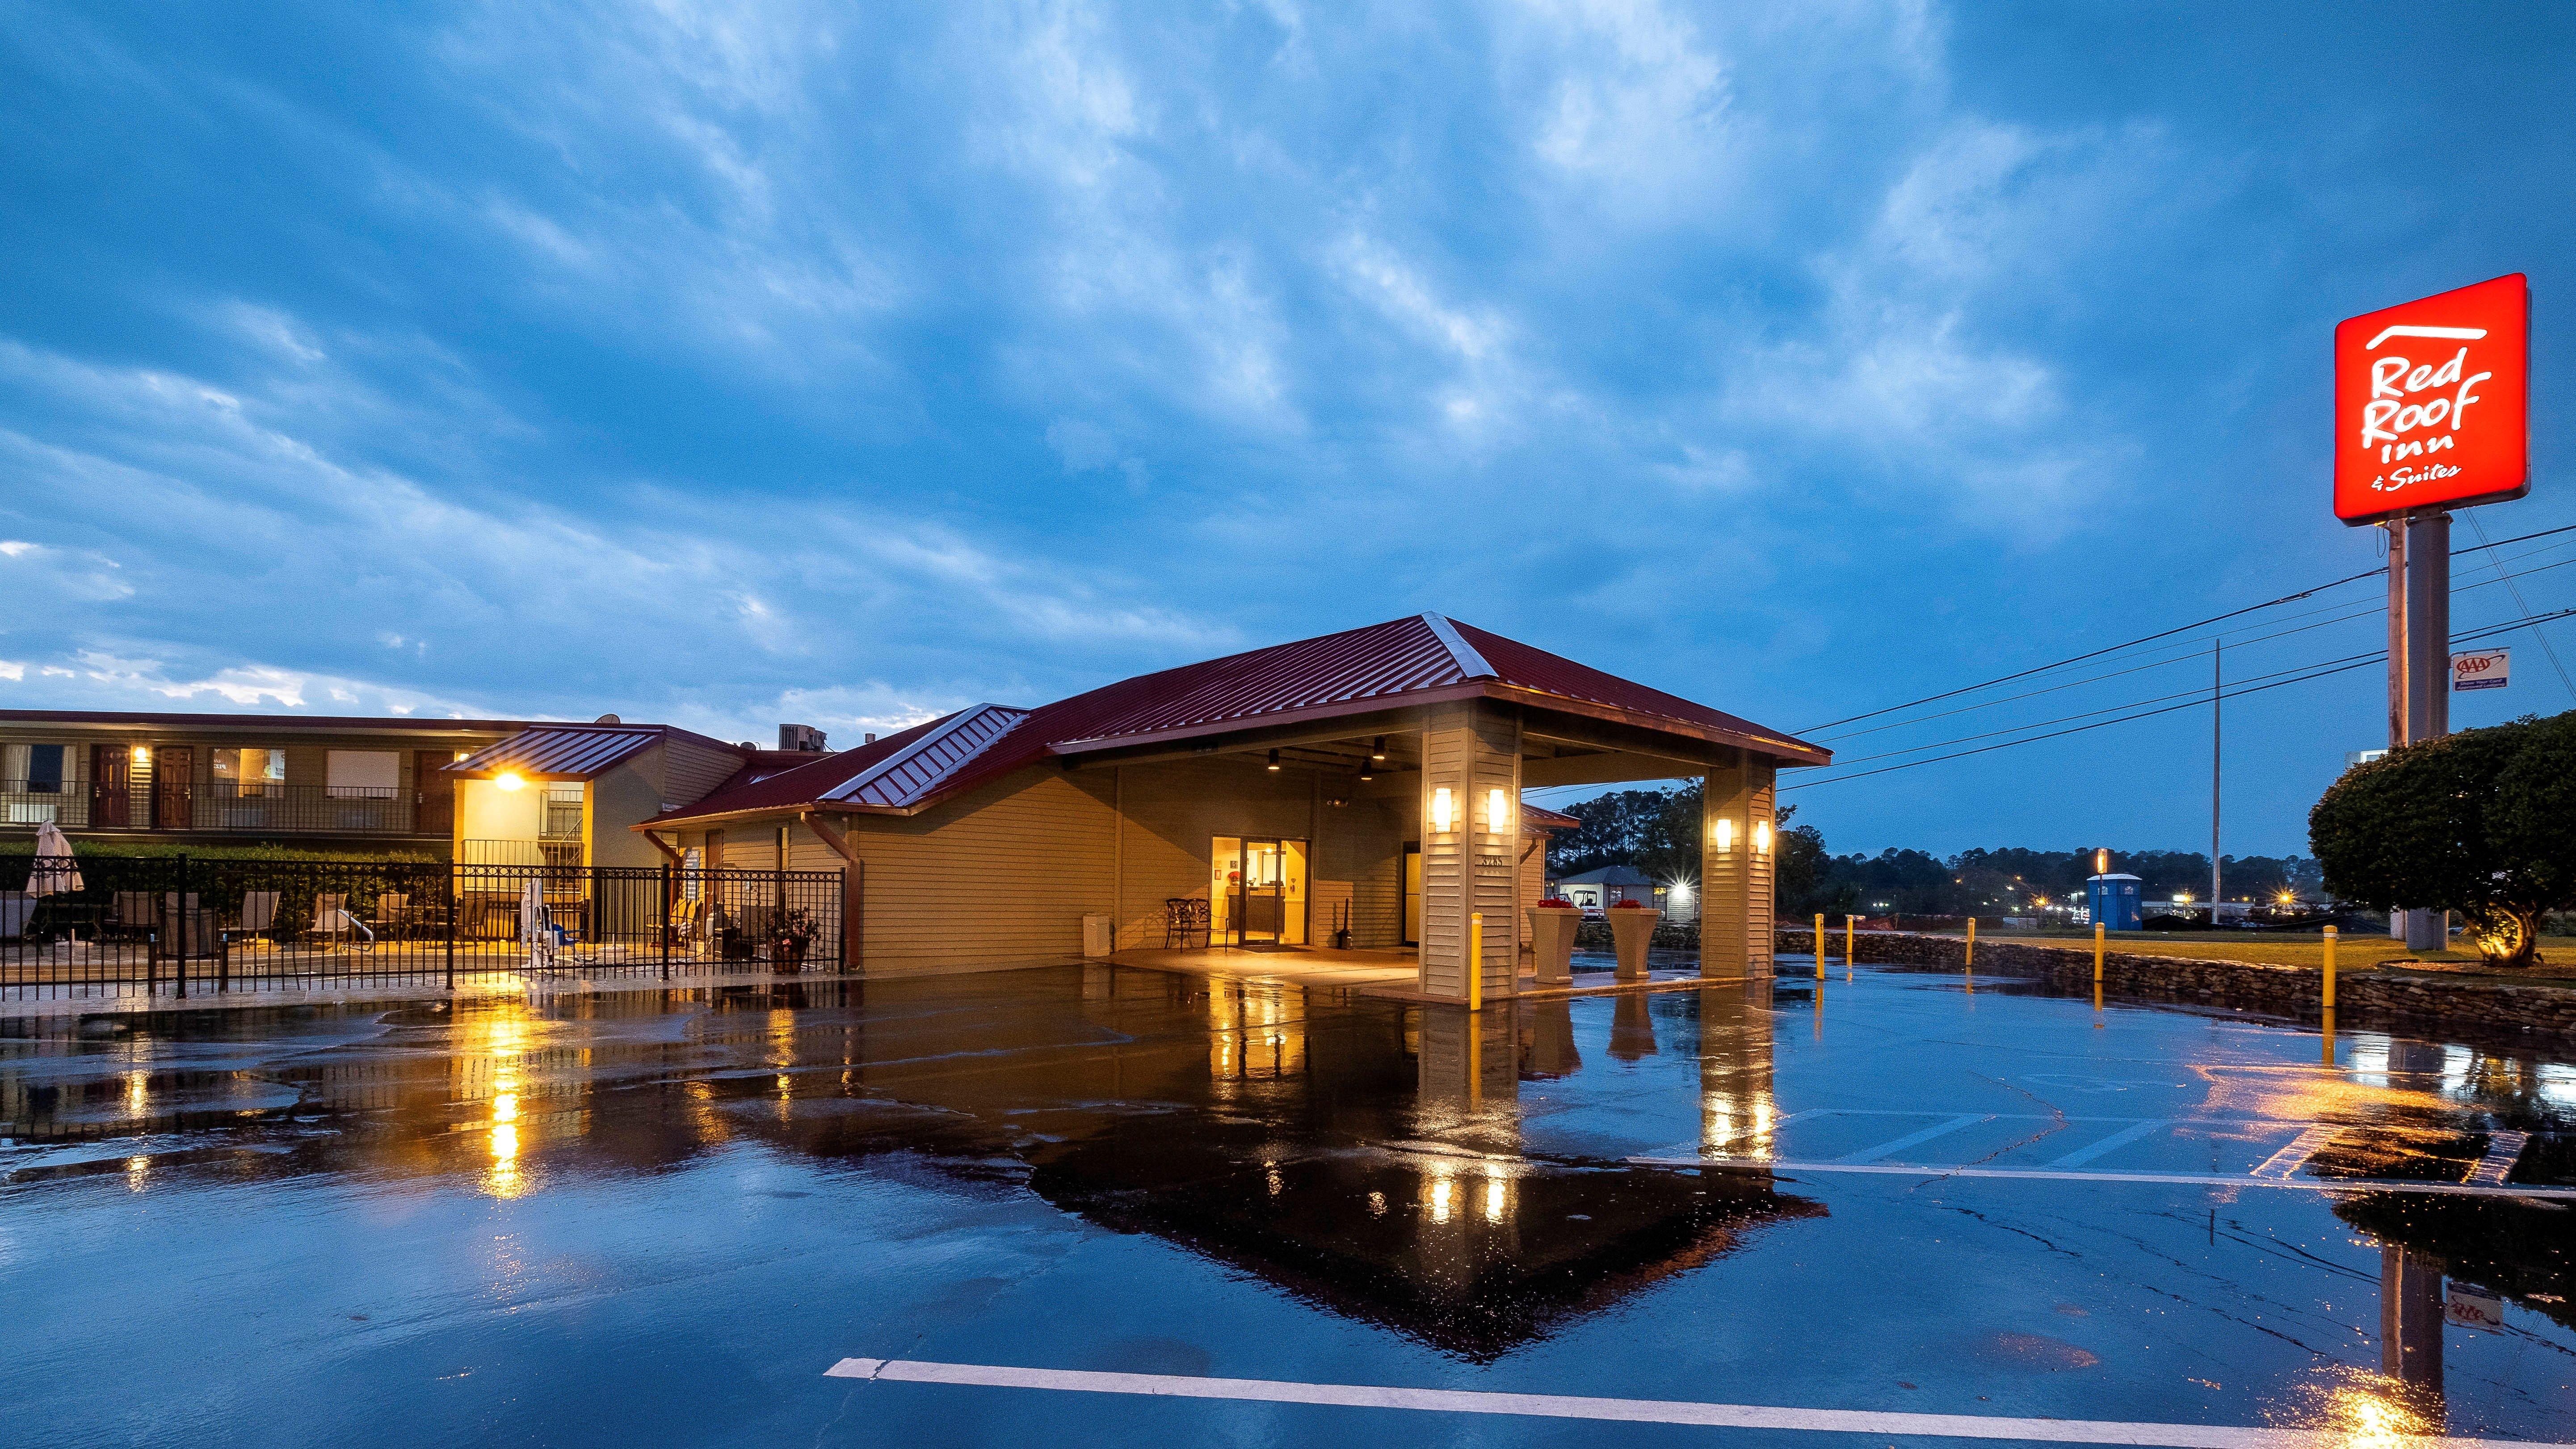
(1259, 902)
(111, 787)
(174, 787)
(1413, 895)
(436, 792)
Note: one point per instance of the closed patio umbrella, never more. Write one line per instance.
(55, 873)
(535, 931)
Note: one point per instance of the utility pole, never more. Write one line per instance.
(2419, 665)
(2215, 695)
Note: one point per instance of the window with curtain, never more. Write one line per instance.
(34, 769)
(362, 774)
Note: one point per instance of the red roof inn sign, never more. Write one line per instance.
(2432, 403)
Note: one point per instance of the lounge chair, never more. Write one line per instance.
(258, 915)
(188, 923)
(393, 913)
(332, 921)
(130, 915)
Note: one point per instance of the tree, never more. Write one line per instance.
(1801, 866)
(2477, 822)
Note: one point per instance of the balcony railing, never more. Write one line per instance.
(222, 807)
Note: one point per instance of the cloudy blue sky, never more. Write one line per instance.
(730, 364)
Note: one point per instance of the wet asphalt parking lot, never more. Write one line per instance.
(665, 1216)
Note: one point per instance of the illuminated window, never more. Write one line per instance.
(249, 774)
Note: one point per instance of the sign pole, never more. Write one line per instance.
(2428, 671)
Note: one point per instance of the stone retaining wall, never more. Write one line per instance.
(2361, 997)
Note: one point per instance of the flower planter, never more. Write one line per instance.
(1632, 929)
(1552, 943)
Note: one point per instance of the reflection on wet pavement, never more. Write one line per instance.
(937, 1158)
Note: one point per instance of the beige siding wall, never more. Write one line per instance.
(1001, 876)
(1173, 812)
(1363, 845)
(1737, 884)
(1533, 878)
(625, 794)
(1467, 869)
(691, 770)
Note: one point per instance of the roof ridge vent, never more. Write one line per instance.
(1470, 663)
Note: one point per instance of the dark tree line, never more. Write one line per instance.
(1657, 832)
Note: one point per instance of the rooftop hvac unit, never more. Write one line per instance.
(804, 739)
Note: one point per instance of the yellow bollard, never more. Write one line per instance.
(2330, 948)
(2325, 1036)
(1820, 945)
(1476, 961)
(1851, 943)
(1972, 943)
(2097, 958)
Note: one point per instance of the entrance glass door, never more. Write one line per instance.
(1257, 890)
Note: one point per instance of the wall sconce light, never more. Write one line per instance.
(1761, 837)
(1498, 812)
(1274, 759)
(1442, 812)
(508, 781)
(143, 754)
(1723, 833)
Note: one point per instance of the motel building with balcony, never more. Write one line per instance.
(1351, 800)
(474, 791)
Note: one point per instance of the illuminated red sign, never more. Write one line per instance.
(2432, 402)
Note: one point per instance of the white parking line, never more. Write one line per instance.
(1633, 1411)
(1872, 1154)
(2112, 1143)
(2043, 1174)
(2302, 1147)
(2504, 1149)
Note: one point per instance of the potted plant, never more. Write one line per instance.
(1632, 929)
(1552, 924)
(796, 931)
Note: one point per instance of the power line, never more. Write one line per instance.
(2195, 694)
(2151, 638)
(2362, 662)
(2185, 656)
(2507, 580)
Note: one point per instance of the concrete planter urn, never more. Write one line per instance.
(1552, 922)
(1632, 929)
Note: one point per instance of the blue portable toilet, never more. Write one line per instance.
(2114, 899)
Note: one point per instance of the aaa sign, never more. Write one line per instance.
(2431, 403)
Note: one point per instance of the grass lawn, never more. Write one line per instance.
(2352, 953)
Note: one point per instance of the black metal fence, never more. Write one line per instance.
(268, 808)
(122, 925)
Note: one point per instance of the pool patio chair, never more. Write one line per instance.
(333, 923)
(258, 916)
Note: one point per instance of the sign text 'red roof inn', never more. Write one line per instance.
(2432, 402)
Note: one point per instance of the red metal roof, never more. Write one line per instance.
(761, 788)
(1403, 661)
(1539, 817)
(1524, 667)
(573, 752)
(1372, 663)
